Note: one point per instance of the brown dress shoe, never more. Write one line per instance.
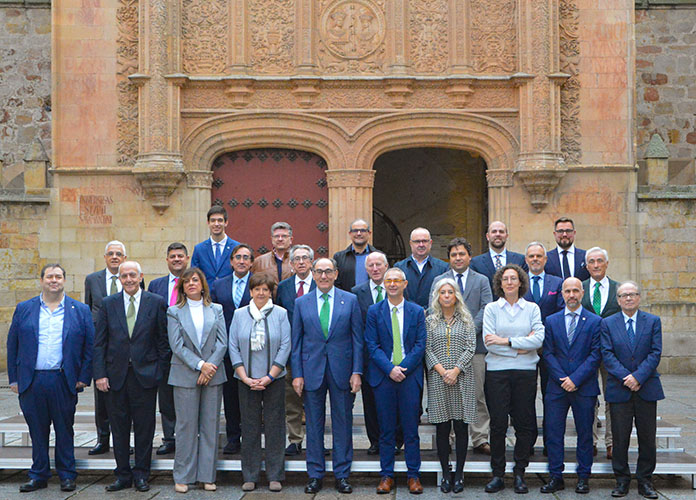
(610, 449)
(385, 485)
(414, 486)
(484, 448)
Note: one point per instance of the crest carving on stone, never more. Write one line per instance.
(494, 35)
(570, 91)
(429, 35)
(204, 25)
(126, 64)
(272, 35)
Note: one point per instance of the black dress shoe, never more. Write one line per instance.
(67, 485)
(327, 452)
(621, 489)
(131, 450)
(118, 485)
(458, 486)
(495, 485)
(293, 449)
(231, 449)
(398, 450)
(555, 484)
(646, 490)
(141, 485)
(166, 448)
(446, 482)
(343, 486)
(373, 449)
(313, 486)
(520, 485)
(583, 486)
(33, 485)
(99, 449)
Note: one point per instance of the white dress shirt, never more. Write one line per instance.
(171, 286)
(222, 243)
(571, 259)
(119, 286)
(421, 264)
(136, 304)
(635, 321)
(512, 310)
(568, 318)
(307, 283)
(375, 292)
(503, 256)
(400, 318)
(465, 274)
(320, 301)
(603, 291)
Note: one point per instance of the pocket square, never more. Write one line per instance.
(553, 293)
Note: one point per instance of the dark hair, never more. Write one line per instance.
(459, 242)
(563, 219)
(186, 276)
(239, 247)
(51, 266)
(217, 209)
(177, 246)
(260, 279)
(498, 280)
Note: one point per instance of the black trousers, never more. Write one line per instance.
(623, 416)
(544, 379)
(230, 400)
(511, 393)
(101, 417)
(165, 396)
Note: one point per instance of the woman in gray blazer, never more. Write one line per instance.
(197, 337)
(259, 349)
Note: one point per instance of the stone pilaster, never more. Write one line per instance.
(350, 198)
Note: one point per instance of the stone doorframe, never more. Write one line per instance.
(350, 156)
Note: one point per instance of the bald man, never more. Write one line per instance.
(421, 268)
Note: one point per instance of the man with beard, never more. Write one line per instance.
(566, 260)
(497, 255)
(351, 260)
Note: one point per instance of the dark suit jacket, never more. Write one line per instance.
(204, 259)
(221, 293)
(551, 297)
(380, 341)
(579, 360)
(95, 291)
(553, 264)
(160, 286)
(419, 284)
(346, 267)
(612, 305)
(286, 295)
(147, 349)
(23, 343)
(483, 264)
(364, 295)
(641, 360)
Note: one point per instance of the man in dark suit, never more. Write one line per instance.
(327, 355)
(421, 267)
(130, 350)
(232, 292)
(290, 289)
(49, 360)
(572, 354)
(497, 255)
(631, 351)
(395, 335)
(600, 297)
(566, 260)
(212, 256)
(351, 261)
(476, 293)
(368, 293)
(165, 287)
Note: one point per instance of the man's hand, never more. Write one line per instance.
(567, 384)
(398, 373)
(355, 383)
(298, 385)
(102, 384)
(631, 382)
(80, 385)
(14, 388)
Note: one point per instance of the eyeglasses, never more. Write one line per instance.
(629, 295)
(299, 258)
(393, 282)
(242, 257)
(114, 254)
(280, 236)
(420, 242)
(327, 272)
(359, 231)
(564, 231)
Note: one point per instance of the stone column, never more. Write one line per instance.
(238, 41)
(350, 198)
(459, 37)
(397, 36)
(306, 12)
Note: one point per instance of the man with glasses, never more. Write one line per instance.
(351, 261)
(497, 255)
(566, 260)
(421, 268)
(631, 351)
(327, 355)
(276, 263)
(212, 256)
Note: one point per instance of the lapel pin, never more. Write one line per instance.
(342, 302)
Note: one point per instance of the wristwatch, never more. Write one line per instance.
(509, 341)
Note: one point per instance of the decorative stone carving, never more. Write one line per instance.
(570, 91)
(499, 177)
(429, 35)
(540, 174)
(202, 179)
(306, 90)
(345, 178)
(352, 36)
(272, 35)
(204, 25)
(460, 91)
(239, 90)
(159, 174)
(126, 63)
(398, 89)
(494, 35)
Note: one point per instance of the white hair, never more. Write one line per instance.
(380, 254)
(130, 262)
(595, 250)
(535, 244)
(115, 243)
(398, 271)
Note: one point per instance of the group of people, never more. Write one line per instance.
(269, 337)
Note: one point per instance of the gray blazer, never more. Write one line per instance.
(186, 353)
(477, 293)
(278, 343)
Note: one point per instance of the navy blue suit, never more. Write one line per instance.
(579, 361)
(402, 398)
(286, 295)
(50, 396)
(204, 259)
(554, 266)
(483, 264)
(327, 364)
(419, 283)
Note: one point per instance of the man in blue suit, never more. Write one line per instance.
(572, 354)
(421, 268)
(49, 360)
(497, 255)
(395, 335)
(232, 292)
(631, 351)
(327, 355)
(165, 287)
(212, 256)
(566, 260)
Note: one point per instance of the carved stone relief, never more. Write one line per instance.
(429, 35)
(272, 35)
(204, 25)
(127, 63)
(494, 35)
(570, 91)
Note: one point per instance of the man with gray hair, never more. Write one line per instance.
(351, 260)
(276, 263)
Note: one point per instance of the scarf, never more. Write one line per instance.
(257, 338)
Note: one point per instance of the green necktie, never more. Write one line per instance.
(324, 315)
(114, 288)
(130, 316)
(597, 299)
(398, 355)
(380, 297)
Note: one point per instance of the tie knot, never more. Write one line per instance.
(536, 278)
(459, 276)
(630, 321)
(131, 299)
(325, 296)
(395, 309)
(114, 278)
(565, 252)
(176, 280)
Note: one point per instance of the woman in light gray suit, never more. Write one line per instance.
(259, 349)
(197, 337)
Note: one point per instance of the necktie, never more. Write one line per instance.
(397, 356)
(238, 292)
(597, 299)
(114, 288)
(498, 264)
(630, 332)
(571, 328)
(130, 316)
(175, 294)
(566, 266)
(459, 282)
(536, 291)
(300, 290)
(324, 315)
(217, 253)
(380, 297)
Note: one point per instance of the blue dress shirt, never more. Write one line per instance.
(50, 353)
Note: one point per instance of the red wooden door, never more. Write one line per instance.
(261, 186)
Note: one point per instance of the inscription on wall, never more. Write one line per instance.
(94, 209)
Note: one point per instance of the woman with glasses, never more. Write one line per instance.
(512, 332)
